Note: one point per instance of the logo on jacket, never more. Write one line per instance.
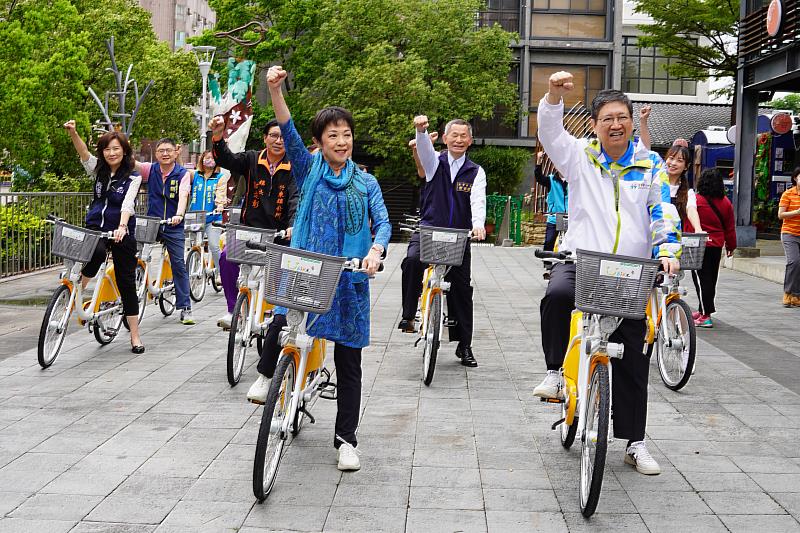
(462, 186)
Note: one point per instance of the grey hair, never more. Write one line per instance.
(458, 122)
(606, 96)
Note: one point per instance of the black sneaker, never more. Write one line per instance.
(407, 326)
(466, 356)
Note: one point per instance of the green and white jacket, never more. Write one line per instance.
(621, 207)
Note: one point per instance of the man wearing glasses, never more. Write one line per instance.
(618, 204)
(168, 188)
(270, 201)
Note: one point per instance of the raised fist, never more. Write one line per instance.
(275, 76)
(560, 84)
(217, 125)
(69, 126)
(644, 112)
(421, 123)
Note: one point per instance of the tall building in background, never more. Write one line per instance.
(174, 21)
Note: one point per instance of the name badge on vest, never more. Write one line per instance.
(463, 186)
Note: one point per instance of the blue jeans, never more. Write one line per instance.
(174, 241)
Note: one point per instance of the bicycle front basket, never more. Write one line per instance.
(236, 238)
(74, 242)
(442, 246)
(146, 229)
(194, 221)
(613, 285)
(693, 248)
(562, 222)
(301, 280)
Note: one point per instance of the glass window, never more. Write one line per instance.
(645, 71)
(568, 26)
(180, 39)
(180, 12)
(588, 79)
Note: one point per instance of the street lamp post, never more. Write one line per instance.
(205, 57)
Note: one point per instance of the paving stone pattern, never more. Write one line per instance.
(106, 441)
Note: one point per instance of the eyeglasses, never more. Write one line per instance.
(275, 136)
(165, 150)
(608, 121)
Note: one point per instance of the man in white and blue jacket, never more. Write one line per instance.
(619, 205)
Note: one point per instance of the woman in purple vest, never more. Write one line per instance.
(112, 209)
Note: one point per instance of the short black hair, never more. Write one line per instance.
(331, 115)
(607, 96)
(269, 125)
(795, 174)
(166, 140)
(710, 184)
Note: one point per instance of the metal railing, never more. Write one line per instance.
(25, 237)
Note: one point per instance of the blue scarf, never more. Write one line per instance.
(358, 237)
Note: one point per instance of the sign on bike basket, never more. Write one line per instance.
(74, 242)
(613, 285)
(147, 229)
(442, 246)
(302, 280)
(693, 249)
(194, 221)
(236, 238)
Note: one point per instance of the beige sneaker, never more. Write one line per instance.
(348, 458)
(638, 456)
(258, 390)
(549, 388)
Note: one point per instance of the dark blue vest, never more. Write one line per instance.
(106, 207)
(162, 195)
(446, 204)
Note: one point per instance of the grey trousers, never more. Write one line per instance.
(791, 280)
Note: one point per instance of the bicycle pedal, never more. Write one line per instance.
(450, 323)
(327, 390)
(552, 400)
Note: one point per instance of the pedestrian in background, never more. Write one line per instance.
(789, 212)
(716, 217)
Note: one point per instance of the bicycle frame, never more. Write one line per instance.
(156, 288)
(660, 297)
(432, 283)
(104, 290)
(251, 282)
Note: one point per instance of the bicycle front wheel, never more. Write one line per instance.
(141, 289)
(51, 335)
(430, 346)
(237, 343)
(594, 442)
(271, 441)
(676, 353)
(215, 283)
(197, 275)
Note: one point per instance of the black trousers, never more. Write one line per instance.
(629, 374)
(459, 297)
(550, 235)
(348, 380)
(705, 279)
(124, 255)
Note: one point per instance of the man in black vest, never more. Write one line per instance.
(455, 197)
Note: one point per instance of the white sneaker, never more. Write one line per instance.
(225, 321)
(638, 456)
(348, 458)
(258, 390)
(549, 388)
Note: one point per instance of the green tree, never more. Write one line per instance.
(384, 60)
(675, 31)
(790, 101)
(504, 166)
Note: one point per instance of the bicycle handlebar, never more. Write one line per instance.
(353, 264)
(546, 254)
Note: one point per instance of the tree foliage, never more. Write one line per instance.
(677, 26)
(790, 101)
(504, 166)
(384, 60)
(52, 50)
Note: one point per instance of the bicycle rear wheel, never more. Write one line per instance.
(51, 336)
(215, 284)
(269, 446)
(197, 275)
(237, 344)
(675, 355)
(106, 327)
(568, 432)
(141, 289)
(166, 300)
(430, 346)
(594, 442)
